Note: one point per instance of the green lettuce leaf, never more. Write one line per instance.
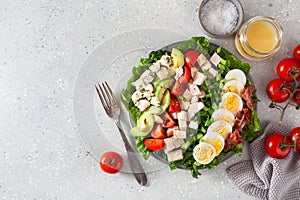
(126, 94)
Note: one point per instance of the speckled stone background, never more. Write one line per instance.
(42, 47)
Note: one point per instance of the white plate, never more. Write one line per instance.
(112, 61)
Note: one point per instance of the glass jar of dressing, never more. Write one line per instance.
(258, 38)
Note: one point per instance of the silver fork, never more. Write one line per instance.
(112, 109)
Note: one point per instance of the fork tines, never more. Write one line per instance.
(105, 94)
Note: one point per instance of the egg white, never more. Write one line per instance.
(204, 153)
(216, 140)
(223, 114)
(232, 102)
(236, 74)
(233, 86)
(221, 127)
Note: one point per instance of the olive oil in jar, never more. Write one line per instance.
(260, 37)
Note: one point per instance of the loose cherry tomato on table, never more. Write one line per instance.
(158, 132)
(296, 52)
(154, 144)
(111, 162)
(174, 104)
(186, 76)
(285, 67)
(296, 96)
(295, 134)
(275, 146)
(276, 92)
(190, 57)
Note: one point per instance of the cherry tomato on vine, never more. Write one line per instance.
(296, 96)
(277, 90)
(274, 145)
(111, 162)
(296, 52)
(285, 67)
(190, 58)
(293, 134)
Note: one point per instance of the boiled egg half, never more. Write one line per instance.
(223, 114)
(233, 86)
(216, 140)
(204, 153)
(221, 127)
(232, 102)
(236, 74)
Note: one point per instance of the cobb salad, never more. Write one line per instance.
(191, 105)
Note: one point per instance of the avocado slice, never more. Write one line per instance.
(138, 132)
(166, 100)
(159, 92)
(177, 58)
(144, 125)
(167, 82)
(156, 110)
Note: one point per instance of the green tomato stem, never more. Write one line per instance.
(283, 109)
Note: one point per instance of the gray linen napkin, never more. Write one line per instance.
(265, 177)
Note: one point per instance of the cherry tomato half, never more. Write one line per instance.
(296, 52)
(158, 132)
(169, 122)
(178, 88)
(154, 144)
(294, 132)
(186, 76)
(276, 93)
(174, 104)
(190, 57)
(273, 146)
(111, 162)
(285, 67)
(296, 96)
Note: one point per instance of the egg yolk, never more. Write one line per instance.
(204, 154)
(216, 143)
(231, 103)
(222, 130)
(224, 118)
(232, 88)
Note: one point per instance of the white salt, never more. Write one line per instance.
(219, 16)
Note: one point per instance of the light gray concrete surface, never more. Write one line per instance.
(46, 150)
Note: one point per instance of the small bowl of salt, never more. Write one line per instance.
(220, 18)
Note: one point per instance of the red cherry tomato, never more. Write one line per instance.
(296, 96)
(169, 122)
(295, 133)
(178, 88)
(273, 146)
(285, 67)
(276, 92)
(190, 57)
(154, 144)
(174, 104)
(186, 76)
(158, 132)
(111, 162)
(296, 52)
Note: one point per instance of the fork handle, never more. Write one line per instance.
(134, 163)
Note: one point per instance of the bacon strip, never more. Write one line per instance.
(247, 96)
(241, 119)
(233, 138)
